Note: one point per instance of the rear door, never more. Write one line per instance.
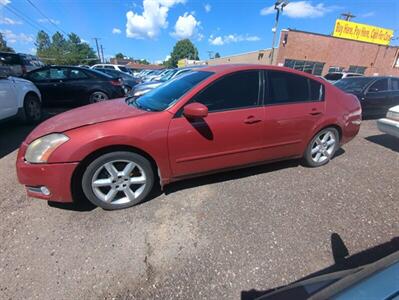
(8, 99)
(294, 104)
(75, 86)
(231, 134)
(377, 98)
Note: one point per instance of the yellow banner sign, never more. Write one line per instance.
(362, 32)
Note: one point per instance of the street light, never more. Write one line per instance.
(279, 7)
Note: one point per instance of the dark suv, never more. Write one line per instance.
(20, 63)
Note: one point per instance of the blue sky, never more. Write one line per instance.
(150, 28)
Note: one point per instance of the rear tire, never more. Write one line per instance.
(322, 147)
(98, 96)
(32, 110)
(118, 180)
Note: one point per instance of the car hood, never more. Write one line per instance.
(85, 115)
(21, 80)
(395, 109)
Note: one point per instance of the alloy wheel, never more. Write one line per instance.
(119, 182)
(323, 146)
(98, 97)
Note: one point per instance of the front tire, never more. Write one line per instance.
(118, 180)
(322, 147)
(32, 110)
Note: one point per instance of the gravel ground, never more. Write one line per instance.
(206, 238)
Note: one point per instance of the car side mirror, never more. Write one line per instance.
(195, 110)
(5, 72)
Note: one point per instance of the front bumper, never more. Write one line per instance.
(388, 126)
(55, 177)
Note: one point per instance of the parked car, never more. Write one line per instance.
(152, 75)
(20, 63)
(206, 120)
(74, 86)
(335, 76)
(145, 87)
(390, 124)
(129, 82)
(19, 98)
(376, 94)
(120, 68)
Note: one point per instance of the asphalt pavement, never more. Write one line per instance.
(213, 237)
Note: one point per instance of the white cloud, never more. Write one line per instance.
(232, 38)
(300, 9)
(116, 31)
(368, 14)
(186, 26)
(84, 41)
(12, 37)
(49, 21)
(4, 2)
(9, 21)
(167, 57)
(151, 21)
(208, 7)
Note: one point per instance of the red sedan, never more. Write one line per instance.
(207, 120)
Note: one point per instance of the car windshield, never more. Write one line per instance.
(169, 93)
(354, 84)
(124, 69)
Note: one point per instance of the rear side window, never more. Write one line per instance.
(77, 74)
(109, 67)
(232, 91)
(395, 84)
(286, 87)
(9, 59)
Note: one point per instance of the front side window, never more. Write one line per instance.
(333, 76)
(232, 91)
(394, 84)
(58, 74)
(286, 87)
(379, 86)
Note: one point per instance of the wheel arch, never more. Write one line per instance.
(76, 189)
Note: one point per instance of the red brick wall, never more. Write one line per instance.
(338, 52)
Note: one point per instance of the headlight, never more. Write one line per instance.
(141, 93)
(40, 149)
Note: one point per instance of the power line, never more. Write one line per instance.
(45, 16)
(25, 18)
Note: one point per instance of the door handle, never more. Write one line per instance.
(251, 120)
(315, 113)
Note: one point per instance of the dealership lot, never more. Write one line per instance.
(210, 237)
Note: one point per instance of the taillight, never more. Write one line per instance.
(117, 82)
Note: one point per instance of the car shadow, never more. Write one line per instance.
(12, 135)
(386, 140)
(342, 261)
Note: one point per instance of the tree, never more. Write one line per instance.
(61, 51)
(217, 55)
(144, 62)
(183, 49)
(42, 43)
(3, 45)
(119, 56)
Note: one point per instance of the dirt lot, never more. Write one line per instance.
(212, 237)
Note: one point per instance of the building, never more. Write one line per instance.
(319, 54)
(254, 57)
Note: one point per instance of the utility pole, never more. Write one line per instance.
(279, 7)
(347, 16)
(102, 54)
(210, 53)
(98, 49)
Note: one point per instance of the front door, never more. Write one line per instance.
(231, 134)
(293, 106)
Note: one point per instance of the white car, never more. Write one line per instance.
(390, 124)
(19, 98)
(120, 68)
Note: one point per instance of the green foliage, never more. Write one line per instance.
(61, 51)
(183, 49)
(143, 61)
(119, 56)
(217, 55)
(3, 45)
